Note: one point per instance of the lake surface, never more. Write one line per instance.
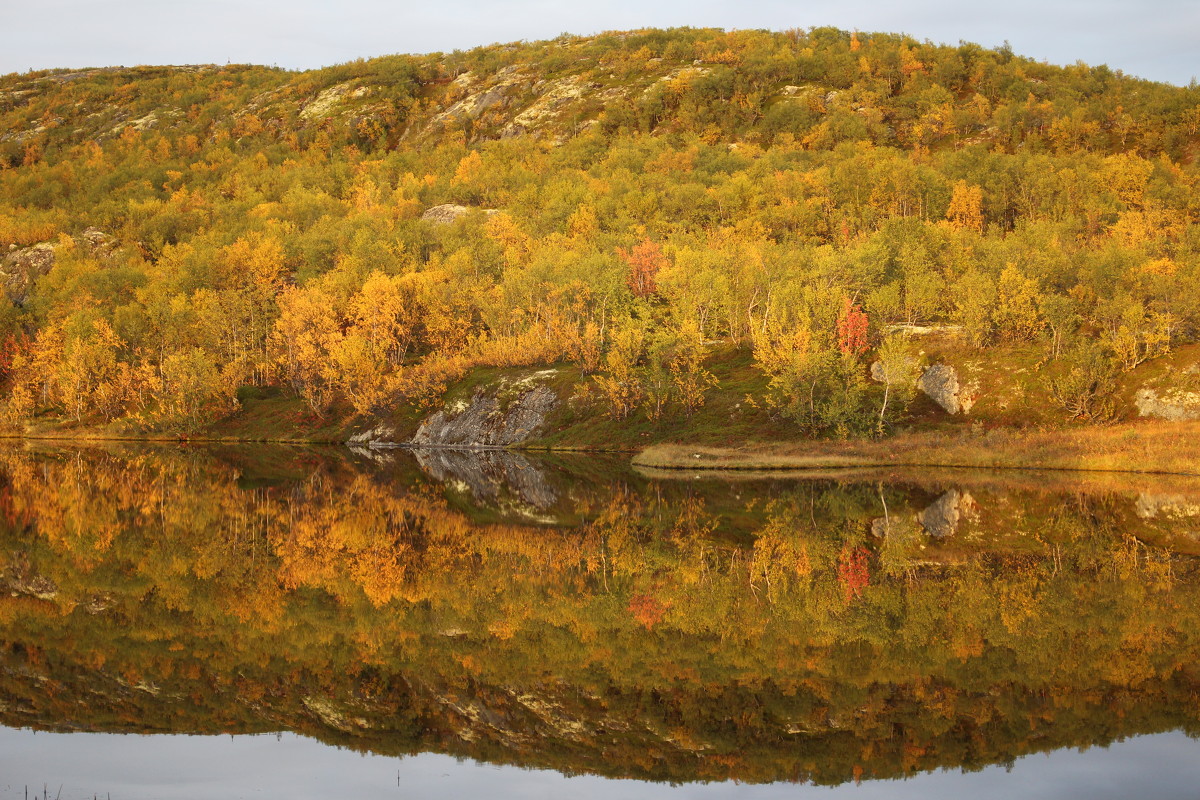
(268, 621)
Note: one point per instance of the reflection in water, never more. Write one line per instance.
(587, 619)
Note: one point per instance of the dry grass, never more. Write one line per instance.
(1150, 447)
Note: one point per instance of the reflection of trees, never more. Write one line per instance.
(768, 634)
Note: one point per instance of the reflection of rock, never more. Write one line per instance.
(326, 709)
(489, 475)
(1175, 506)
(21, 579)
(1173, 404)
(372, 451)
(507, 414)
(942, 517)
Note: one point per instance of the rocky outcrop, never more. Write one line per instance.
(324, 104)
(556, 95)
(500, 91)
(504, 415)
(941, 383)
(22, 266)
(447, 213)
(381, 434)
(97, 242)
(1176, 405)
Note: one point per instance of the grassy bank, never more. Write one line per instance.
(1134, 447)
(1013, 424)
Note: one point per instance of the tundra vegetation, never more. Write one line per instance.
(627, 202)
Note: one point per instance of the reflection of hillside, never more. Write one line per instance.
(682, 631)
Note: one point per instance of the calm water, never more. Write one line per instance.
(262, 622)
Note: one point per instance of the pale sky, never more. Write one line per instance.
(1155, 39)
(162, 767)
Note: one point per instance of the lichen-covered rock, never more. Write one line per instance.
(500, 91)
(97, 241)
(450, 212)
(940, 382)
(381, 434)
(1176, 405)
(555, 96)
(324, 103)
(506, 415)
(21, 267)
(24, 265)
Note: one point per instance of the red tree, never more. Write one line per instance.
(644, 260)
(852, 329)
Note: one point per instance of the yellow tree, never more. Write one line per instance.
(88, 372)
(251, 272)
(966, 207)
(385, 313)
(357, 369)
(621, 384)
(193, 389)
(306, 328)
(1016, 311)
(688, 374)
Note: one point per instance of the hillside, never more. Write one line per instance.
(652, 211)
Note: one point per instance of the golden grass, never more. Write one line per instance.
(1148, 447)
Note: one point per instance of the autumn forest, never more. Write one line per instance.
(637, 207)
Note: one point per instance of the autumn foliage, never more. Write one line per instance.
(274, 234)
(645, 260)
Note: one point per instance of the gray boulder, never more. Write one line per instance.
(507, 415)
(940, 382)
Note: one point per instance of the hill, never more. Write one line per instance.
(645, 208)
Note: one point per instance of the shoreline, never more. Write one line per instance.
(1142, 448)
(1163, 448)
